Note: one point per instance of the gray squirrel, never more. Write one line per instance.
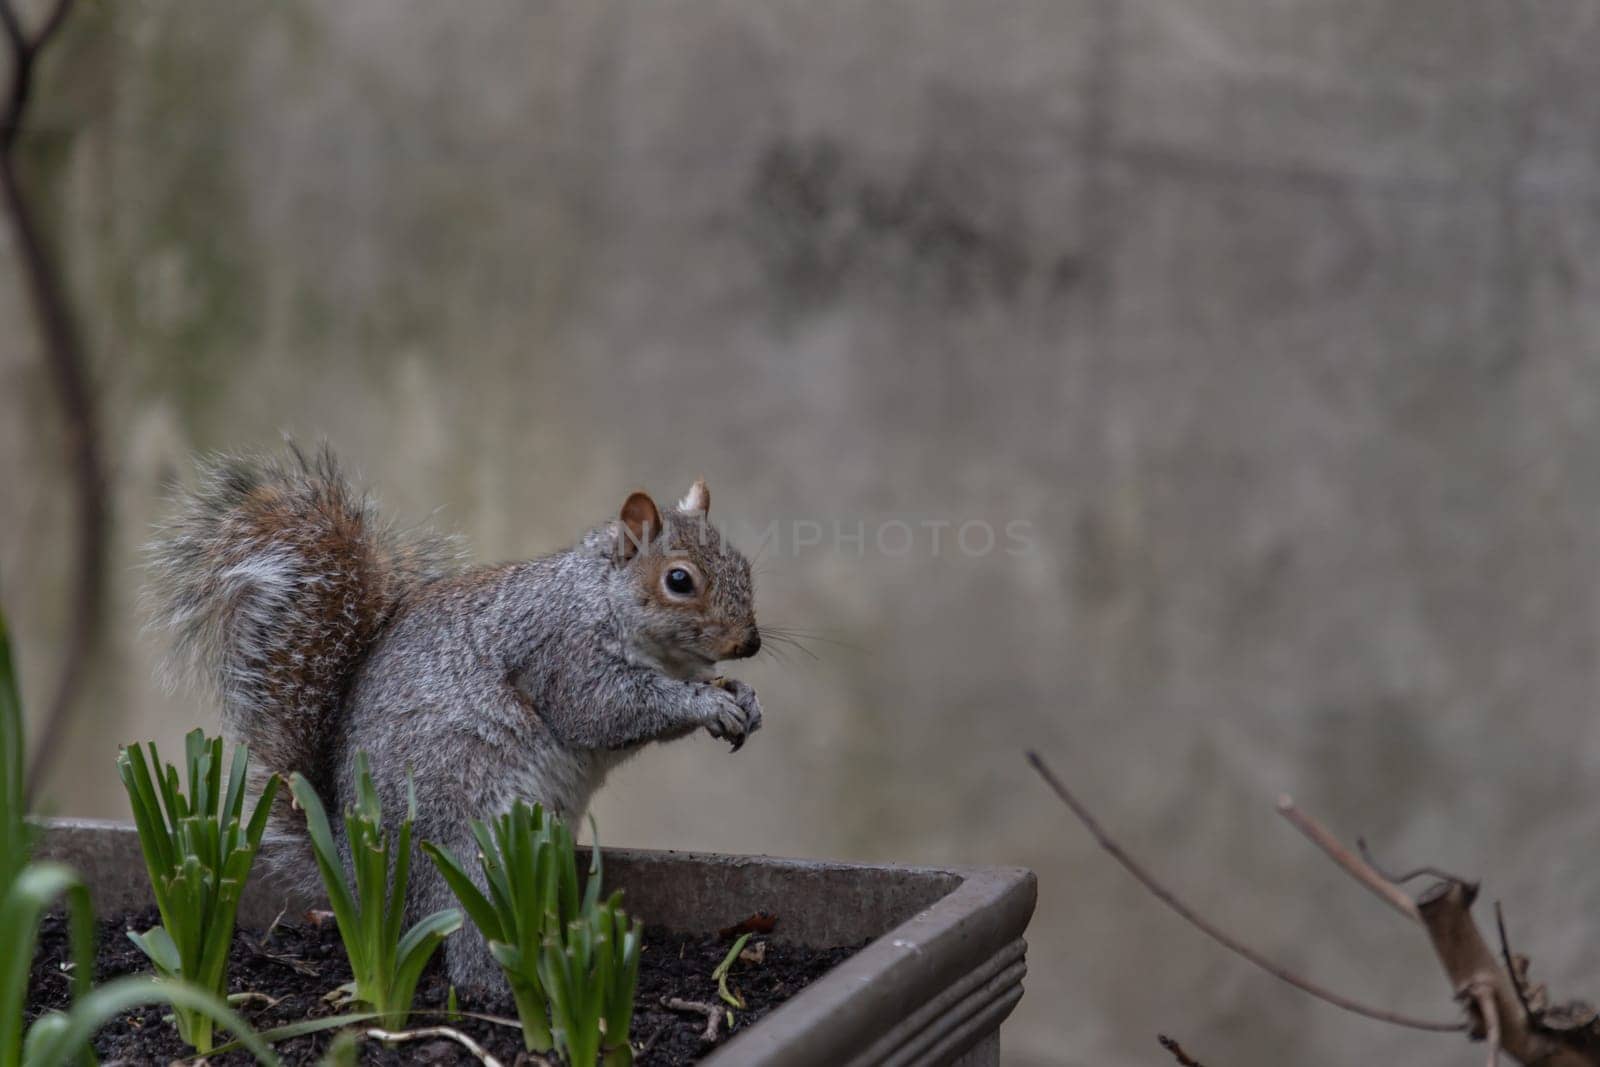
(327, 631)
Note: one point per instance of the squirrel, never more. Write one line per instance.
(326, 631)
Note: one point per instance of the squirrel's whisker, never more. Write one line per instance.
(776, 638)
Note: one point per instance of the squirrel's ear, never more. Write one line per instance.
(641, 524)
(697, 499)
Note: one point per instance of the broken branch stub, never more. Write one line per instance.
(1567, 1036)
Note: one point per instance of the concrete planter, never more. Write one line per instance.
(942, 972)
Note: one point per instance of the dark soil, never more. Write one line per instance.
(296, 963)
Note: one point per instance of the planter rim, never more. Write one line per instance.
(733, 859)
(926, 990)
(902, 997)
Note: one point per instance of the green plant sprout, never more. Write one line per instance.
(198, 851)
(530, 867)
(16, 836)
(29, 894)
(342, 1052)
(59, 1038)
(27, 891)
(591, 979)
(385, 962)
(725, 968)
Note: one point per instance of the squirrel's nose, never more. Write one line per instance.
(751, 646)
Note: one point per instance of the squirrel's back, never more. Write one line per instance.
(275, 579)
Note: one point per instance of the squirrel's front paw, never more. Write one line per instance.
(736, 713)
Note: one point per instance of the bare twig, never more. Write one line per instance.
(1414, 873)
(650, 1042)
(429, 1032)
(1475, 974)
(293, 963)
(1495, 995)
(1183, 1058)
(1483, 995)
(252, 996)
(1356, 866)
(1511, 966)
(1163, 894)
(68, 368)
(712, 1012)
(26, 51)
(273, 926)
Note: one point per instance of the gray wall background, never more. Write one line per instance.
(1276, 320)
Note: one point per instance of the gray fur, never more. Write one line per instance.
(525, 680)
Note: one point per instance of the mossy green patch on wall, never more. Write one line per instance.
(186, 292)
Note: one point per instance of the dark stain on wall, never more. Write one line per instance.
(821, 224)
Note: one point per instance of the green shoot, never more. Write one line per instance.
(386, 963)
(27, 891)
(290, 1031)
(343, 1051)
(725, 968)
(59, 1038)
(15, 836)
(198, 850)
(530, 868)
(591, 980)
(27, 897)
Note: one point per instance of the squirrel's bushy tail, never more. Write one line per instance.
(275, 578)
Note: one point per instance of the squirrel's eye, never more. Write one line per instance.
(680, 581)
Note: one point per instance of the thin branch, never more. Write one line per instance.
(1355, 866)
(1414, 873)
(1475, 972)
(712, 1013)
(52, 23)
(252, 996)
(1483, 995)
(1183, 1058)
(64, 353)
(13, 31)
(650, 1042)
(427, 1032)
(1161, 893)
(23, 52)
(1511, 967)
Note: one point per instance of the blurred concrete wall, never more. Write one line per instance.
(1276, 322)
